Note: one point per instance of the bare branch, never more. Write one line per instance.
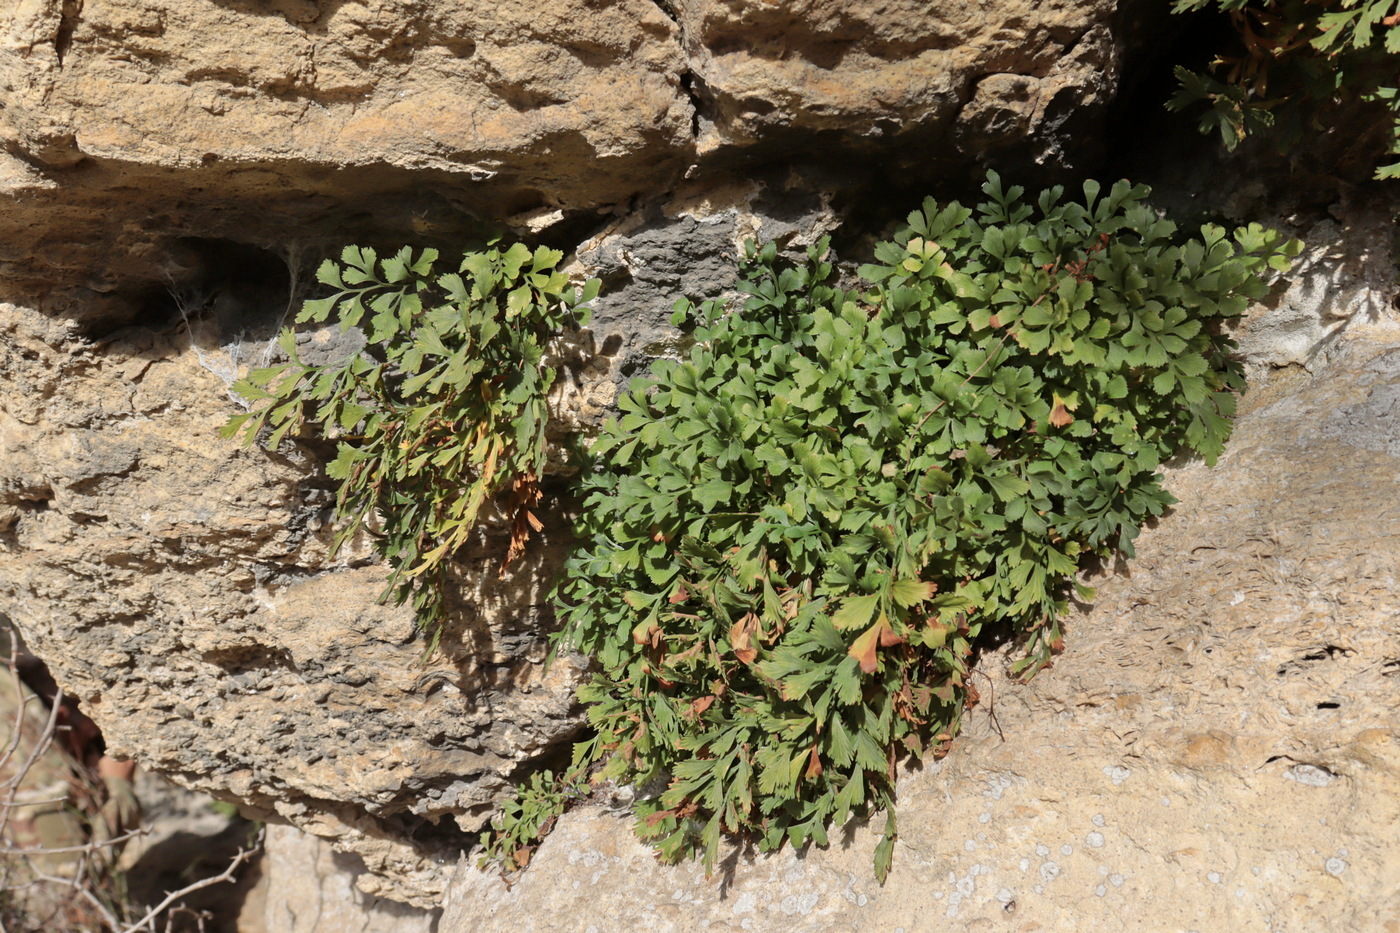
(22, 699)
(19, 868)
(46, 737)
(39, 803)
(226, 875)
(87, 848)
(84, 890)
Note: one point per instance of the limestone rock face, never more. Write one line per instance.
(308, 887)
(472, 89)
(296, 121)
(182, 589)
(1217, 749)
(131, 126)
(173, 169)
(982, 75)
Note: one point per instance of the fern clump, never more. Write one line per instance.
(443, 410)
(792, 538)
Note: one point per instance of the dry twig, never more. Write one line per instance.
(20, 868)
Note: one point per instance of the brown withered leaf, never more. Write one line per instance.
(524, 495)
(651, 820)
(863, 649)
(1059, 414)
(741, 638)
(679, 596)
(526, 487)
(699, 706)
(518, 536)
(791, 604)
(879, 635)
(814, 766)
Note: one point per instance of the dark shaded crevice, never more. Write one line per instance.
(28, 502)
(1154, 42)
(1196, 179)
(68, 17)
(690, 82)
(223, 290)
(245, 659)
(692, 85)
(1318, 653)
(1326, 774)
(668, 9)
(77, 261)
(431, 836)
(244, 289)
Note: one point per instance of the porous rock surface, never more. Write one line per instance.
(133, 126)
(305, 886)
(980, 75)
(171, 170)
(182, 590)
(1216, 750)
(299, 121)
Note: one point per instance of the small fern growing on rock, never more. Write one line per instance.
(792, 539)
(526, 819)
